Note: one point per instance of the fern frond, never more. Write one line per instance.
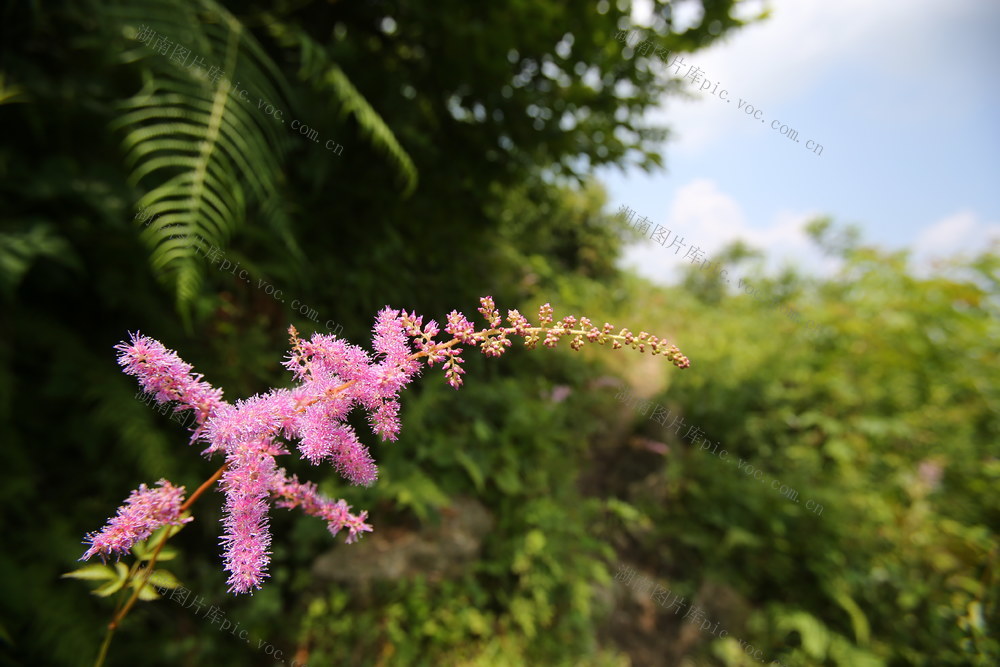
(204, 157)
(21, 248)
(11, 94)
(371, 124)
(315, 62)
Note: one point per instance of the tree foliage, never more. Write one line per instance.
(469, 132)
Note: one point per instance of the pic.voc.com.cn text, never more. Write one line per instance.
(179, 55)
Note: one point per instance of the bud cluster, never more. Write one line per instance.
(494, 340)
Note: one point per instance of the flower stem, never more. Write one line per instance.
(148, 570)
(204, 486)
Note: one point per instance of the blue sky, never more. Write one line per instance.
(904, 97)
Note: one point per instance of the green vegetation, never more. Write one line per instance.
(504, 510)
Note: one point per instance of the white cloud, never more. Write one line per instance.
(960, 233)
(704, 216)
(782, 58)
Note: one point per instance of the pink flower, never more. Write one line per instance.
(327, 355)
(331, 378)
(560, 393)
(385, 420)
(250, 419)
(144, 511)
(459, 327)
(168, 377)
(291, 493)
(489, 311)
(350, 457)
(247, 484)
(389, 337)
(314, 427)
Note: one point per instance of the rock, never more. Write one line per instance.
(441, 551)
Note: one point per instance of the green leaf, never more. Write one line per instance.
(629, 514)
(738, 537)
(476, 621)
(534, 542)
(150, 543)
(858, 620)
(522, 611)
(115, 577)
(93, 572)
(11, 94)
(109, 588)
(164, 579)
(508, 480)
(813, 634)
(419, 492)
(482, 430)
(147, 593)
(475, 472)
(167, 554)
(141, 551)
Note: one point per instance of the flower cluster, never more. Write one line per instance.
(332, 378)
(494, 341)
(144, 511)
(168, 378)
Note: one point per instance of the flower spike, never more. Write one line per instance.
(332, 378)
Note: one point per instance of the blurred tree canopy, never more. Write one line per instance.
(467, 135)
(887, 418)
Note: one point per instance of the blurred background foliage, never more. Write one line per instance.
(504, 512)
